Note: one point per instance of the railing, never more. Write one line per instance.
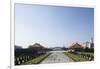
(24, 58)
(87, 56)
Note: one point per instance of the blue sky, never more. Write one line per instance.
(52, 25)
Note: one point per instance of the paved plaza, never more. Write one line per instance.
(57, 57)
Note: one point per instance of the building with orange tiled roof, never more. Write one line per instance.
(76, 47)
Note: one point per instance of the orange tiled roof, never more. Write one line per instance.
(76, 46)
(37, 45)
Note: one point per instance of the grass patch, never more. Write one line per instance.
(92, 54)
(74, 57)
(38, 59)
